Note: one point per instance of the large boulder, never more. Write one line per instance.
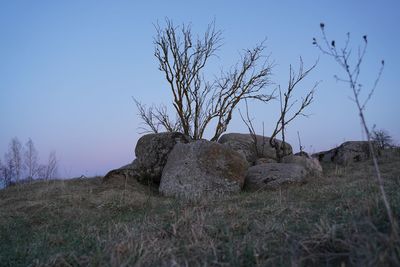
(351, 151)
(152, 152)
(312, 165)
(202, 168)
(274, 175)
(245, 145)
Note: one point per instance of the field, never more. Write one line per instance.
(335, 220)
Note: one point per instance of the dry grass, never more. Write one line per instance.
(336, 220)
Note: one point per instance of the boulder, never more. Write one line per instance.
(351, 151)
(128, 171)
(325, 156)
(312, 165)
(244, 144)
(202, 168)
(274, 175)
(152, 152)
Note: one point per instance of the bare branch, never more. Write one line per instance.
(148, 117)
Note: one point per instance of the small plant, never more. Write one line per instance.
(351, 64)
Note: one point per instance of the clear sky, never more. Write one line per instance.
(69, 69)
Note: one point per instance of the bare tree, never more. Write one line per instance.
(382, 138)
(198, 102)
(14, 158)
(8, 169)
(351, 62)
(31, 159)
(50, 170)
(289, 109)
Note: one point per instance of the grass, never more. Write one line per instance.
(336, 220)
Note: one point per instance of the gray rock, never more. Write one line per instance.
(202, 168)
(129, 171)
(274, 175)
(244, 144)
(312, 165)
(351, 151)
(152, 152)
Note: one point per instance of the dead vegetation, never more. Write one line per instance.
(334, 220)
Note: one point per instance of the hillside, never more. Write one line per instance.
(334, 220)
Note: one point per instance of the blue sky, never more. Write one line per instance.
(69, 69)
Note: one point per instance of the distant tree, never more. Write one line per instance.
(49, 170)
(197, 102)
(8, 169)
(31, 159)
(382, 138)
(14, 156)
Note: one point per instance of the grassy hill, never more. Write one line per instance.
(336, 220)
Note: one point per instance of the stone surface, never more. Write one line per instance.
(274, 175)
(244, 144)
(302, 153)
(351, 151)
(202, 168)
(264, 160)
(152, 152)
(312, 165)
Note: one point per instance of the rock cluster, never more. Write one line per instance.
(182, 167)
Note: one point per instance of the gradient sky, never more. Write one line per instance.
(69, 69)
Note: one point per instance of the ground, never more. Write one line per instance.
(334, 220)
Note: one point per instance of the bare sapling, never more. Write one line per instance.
(350, 61)
(289, 109)
(300, 146)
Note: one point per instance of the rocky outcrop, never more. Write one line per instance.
(202, 168)
(351, 151)
(274, 175)
(152, 152)
(245, 145)
(312, 165)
